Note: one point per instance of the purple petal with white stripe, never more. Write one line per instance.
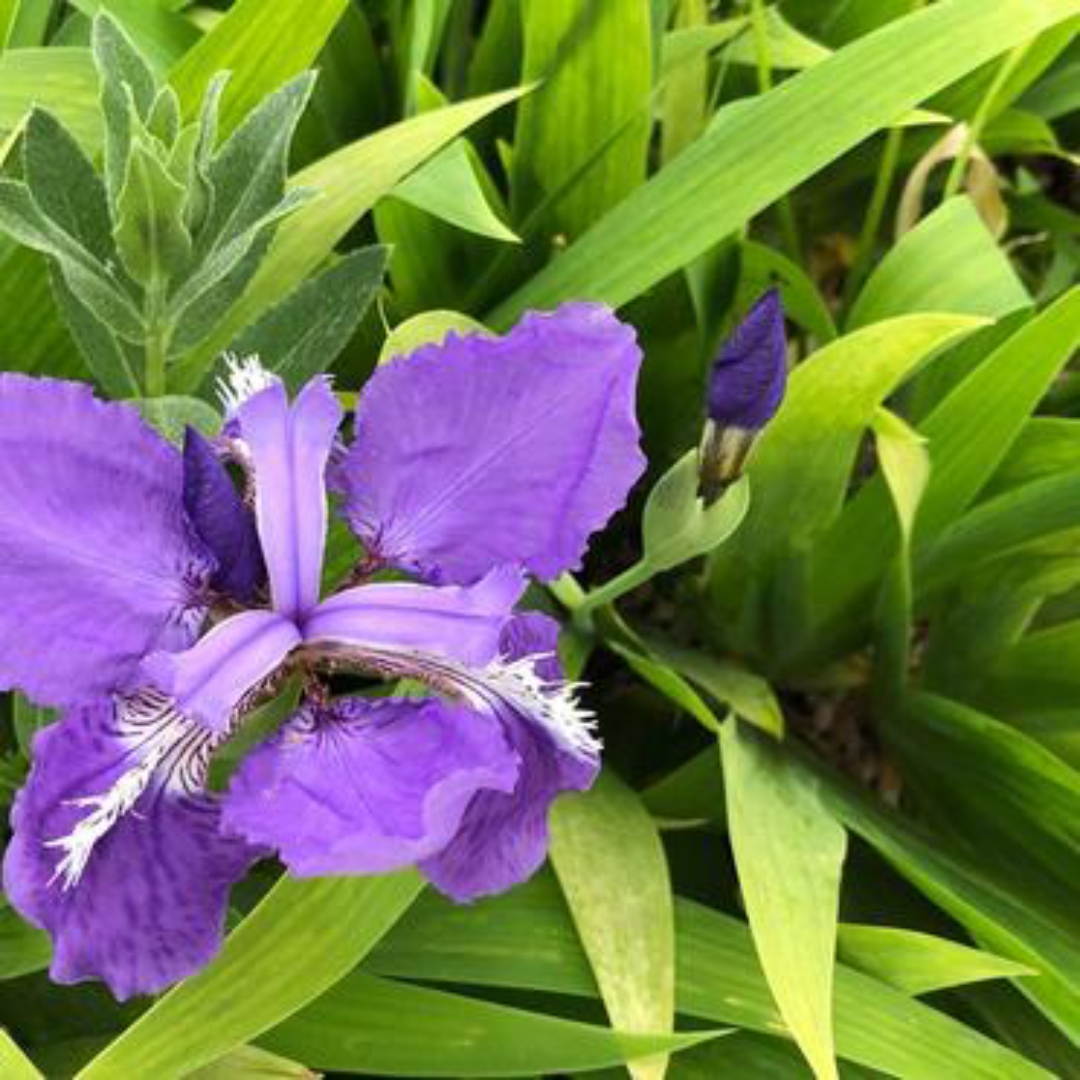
(503, 837)
(98, 563)
(366, 787)
(117, 851)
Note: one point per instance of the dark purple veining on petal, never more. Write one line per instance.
(366, 787)
(149, 906)
(747, 380)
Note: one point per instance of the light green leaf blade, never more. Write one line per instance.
(948, 262)
(526, 939)
(378, 1026)
(61, 80)
(968, 434)
(427, 328)
(918, 963)
(23, 948)
(583, 101)
(302, 938)
(608, 857)
(789, 851)
(162, 35)
(349, 182)
(262, 44)
(14, 1064)
(774, 143)
(447, 186)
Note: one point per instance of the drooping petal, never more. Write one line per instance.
(98, 563)
(289, 448)
(366, 787)
(483, 451)
(208, 682)
(747, 380)
(143, 902)
(503, 837)
(461, 622)
(224, 524)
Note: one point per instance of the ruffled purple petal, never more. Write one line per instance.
(366, 787)
(483, 451)
(747, 381)
(98, 564)
(289, 448)
(459, 622)
(224, 524)
(208, 682)
(503, 838)
(149, 906)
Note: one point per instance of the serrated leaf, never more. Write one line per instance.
(126, 80)
(106, 356)
(150, 233)
(248, 172)
(677, 526)
(63, 183)
(789, 850)
(172, 414)
(303, 335)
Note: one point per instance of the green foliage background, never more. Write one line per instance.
(838, 830)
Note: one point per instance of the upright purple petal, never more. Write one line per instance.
(289, 447)
(208, 682)
(503, 837)
(483, 451)
(366, 787)
(747, 380)
(98, 563)
(224, 524)
(459, 622)
(148, 907)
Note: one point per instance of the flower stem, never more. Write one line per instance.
(978, 121)
(612, 590)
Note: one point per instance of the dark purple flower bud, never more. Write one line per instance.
(746, 386)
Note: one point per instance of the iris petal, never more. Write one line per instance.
(366, 787)
(98, 564)
(148, 906)
(503, 837)
(483, 451)
(460, 622)
(289, 448)
(209, 681)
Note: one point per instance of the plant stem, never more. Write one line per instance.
(864, 253)
(609, 592)
(157, 343)
(978, 121)
(765, 83)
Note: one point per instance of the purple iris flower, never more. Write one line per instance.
(156, 606)
(746, 386)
